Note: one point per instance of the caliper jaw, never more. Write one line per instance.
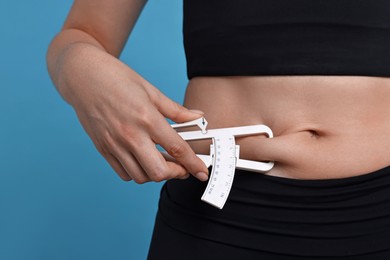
(200, 122)
(224, 156)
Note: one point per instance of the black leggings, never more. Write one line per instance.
(270, 218)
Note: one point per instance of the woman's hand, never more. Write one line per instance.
(124, 115)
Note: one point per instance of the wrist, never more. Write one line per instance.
(75, 70)
(65, 57)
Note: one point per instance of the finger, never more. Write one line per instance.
(174, 110)
(131, 165)
(176, 147)
(125, 159)
(184, 176)
(153, 163)
(169, 158)
(117, 166)
(179, 171)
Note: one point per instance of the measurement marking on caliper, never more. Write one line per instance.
(224, 156)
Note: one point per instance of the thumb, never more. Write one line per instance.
(175, 111)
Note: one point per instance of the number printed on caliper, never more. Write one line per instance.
(224, 156)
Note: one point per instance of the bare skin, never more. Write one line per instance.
(324, 126)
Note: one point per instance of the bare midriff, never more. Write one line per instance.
(324, 127)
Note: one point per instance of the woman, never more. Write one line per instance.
(315, 72)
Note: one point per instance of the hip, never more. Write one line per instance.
(312, 218)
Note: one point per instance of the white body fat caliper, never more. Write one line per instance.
(224, 156)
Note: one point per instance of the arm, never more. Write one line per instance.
(117, 107)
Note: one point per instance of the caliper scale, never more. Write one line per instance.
(224, 156)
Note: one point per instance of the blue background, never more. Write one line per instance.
(59, 199)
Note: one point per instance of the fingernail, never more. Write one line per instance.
(202, 176)
(197, 111)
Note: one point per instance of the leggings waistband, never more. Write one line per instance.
(338, 217)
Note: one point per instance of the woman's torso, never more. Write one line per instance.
(327, 125)
(324, 126)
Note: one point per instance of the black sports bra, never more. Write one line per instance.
(287, 37)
